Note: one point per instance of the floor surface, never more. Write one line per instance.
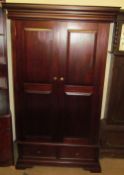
(109, 167)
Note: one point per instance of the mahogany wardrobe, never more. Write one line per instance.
(59, 56)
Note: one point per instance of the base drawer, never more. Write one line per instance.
(77, 153)
(37, 151)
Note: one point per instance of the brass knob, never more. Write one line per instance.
(61, 78)
(55, 78)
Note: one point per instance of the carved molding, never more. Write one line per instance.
(43, 11)
(117, 33)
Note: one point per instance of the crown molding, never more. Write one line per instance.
(65, 12)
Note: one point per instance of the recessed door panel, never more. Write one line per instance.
(40, 107)
(40, 117)
(38, 44)
(81, 57)
(77, 104)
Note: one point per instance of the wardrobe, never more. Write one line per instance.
(6, 146)
(113, 124)
(59, 56)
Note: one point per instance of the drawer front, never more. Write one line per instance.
(80, 153)
(37, 151)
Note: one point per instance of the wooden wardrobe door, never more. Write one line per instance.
(80, 77)
(36, 74)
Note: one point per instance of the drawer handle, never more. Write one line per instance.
(38, 152)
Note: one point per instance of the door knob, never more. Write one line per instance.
(61, 78)
(55, 78)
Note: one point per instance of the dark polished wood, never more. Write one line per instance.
(45, 11)
(58, 65)
(6, 151)
(117, 34)
(116, 102)
(113, 124)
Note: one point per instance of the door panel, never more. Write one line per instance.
(78, 86)
(39, 66)
(81, 56)
(40, 118)
(38, 44)
(39, 105)
(77, 115)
